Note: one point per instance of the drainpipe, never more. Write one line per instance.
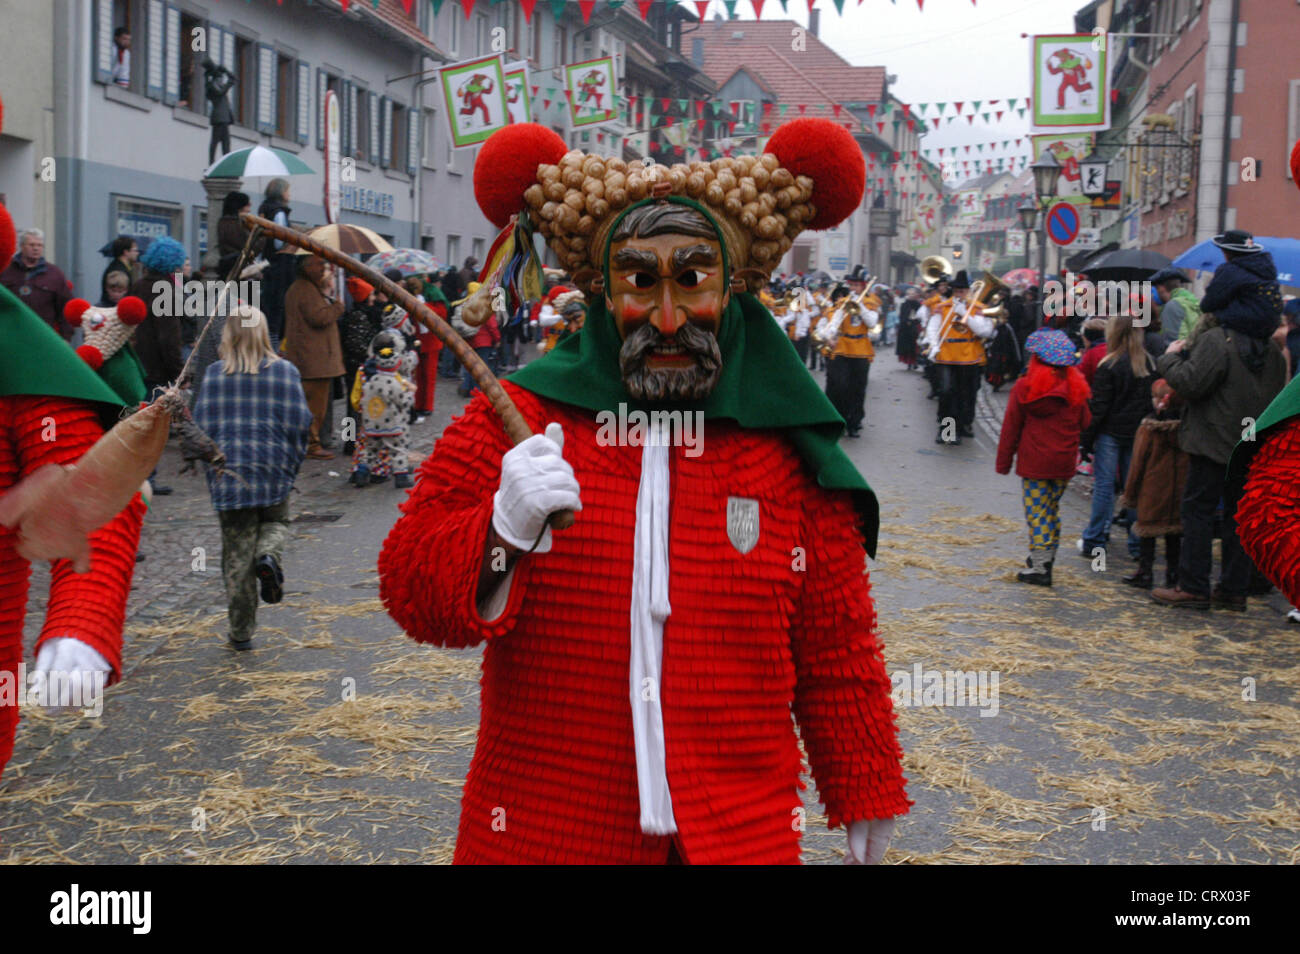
(1227, 117)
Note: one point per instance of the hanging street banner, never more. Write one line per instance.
(968, 204)
(925, 219)
(333, 163)
(1015, 242)
(1069, 75)
(1069, 150)
(590, 88)
(518, 103)
(475, 95)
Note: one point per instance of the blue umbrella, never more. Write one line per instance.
(1206, 257)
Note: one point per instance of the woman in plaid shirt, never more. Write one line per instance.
(252, 405)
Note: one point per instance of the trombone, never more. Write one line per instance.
(982, 290)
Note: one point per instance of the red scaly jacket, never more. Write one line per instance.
(788, 626)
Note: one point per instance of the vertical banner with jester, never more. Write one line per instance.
(518, 103)
(592, 93)
(925, 219)
(475, 94)
(1069, 74)
(1069, 150)
(969, 204)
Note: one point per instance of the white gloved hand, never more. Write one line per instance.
(536, 481)
(76, 661)
(868, 840)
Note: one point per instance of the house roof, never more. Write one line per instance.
(391, 19)
(816, 76)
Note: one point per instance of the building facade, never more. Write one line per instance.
(27, 173)
(132, 156)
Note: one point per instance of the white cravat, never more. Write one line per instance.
(649, 610)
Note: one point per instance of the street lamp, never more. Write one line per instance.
(1047, 172)
(1092, 175)
(1028, 214)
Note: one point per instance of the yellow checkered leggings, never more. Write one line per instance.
(1042, 499)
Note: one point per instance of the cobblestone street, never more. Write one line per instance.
(1120, 732)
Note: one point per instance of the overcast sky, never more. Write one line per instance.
(949, 51)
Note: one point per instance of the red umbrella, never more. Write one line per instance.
(1021, 276)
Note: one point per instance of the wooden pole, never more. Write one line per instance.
(516, 427)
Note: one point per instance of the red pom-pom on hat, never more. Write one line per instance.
(92, 356)
(74, 309)
(131, 310)
(8, 237)
(507, 165)
(1295, 163)
(826, 153)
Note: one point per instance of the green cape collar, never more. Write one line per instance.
(35, 360)
(763, 385)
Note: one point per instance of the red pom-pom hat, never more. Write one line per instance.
(812, 176)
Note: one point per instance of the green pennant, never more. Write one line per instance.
(784, 106)
(684, 105)
(437, 6)
(1021, 112)
(839, 6)
(975, 105)
(984, 117)
(1011, 104)
(941, 106)
(731, 8)
(614, 4)
(557, 9)
(784, 8)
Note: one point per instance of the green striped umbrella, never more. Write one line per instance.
(257, 161)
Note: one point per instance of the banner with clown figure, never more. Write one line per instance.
(518, 102)
(925, 219)
(1069, 150)
(1070, 77)
(475, 93)
(592, 91)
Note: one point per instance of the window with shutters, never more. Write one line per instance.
(155, 48)
(453, 40)
(397, 130)
(413, 142)
(453, 250)
(430, 138)
(481, 38)
(119, 63)
(385, 132)
(190, 94)
(361, 145)
(477, 249)
(286, 97)
(243, 100)
(560, 53)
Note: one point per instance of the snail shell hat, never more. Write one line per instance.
(812, 176)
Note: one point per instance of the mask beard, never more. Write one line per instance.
(670, 384)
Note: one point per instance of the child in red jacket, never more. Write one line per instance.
(1047, 410)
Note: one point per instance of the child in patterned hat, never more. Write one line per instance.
(1046, 412)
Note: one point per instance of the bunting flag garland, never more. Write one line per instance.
(467, 6)
(526, 4)
(586, 6)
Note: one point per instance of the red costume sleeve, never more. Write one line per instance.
(843, 700)
(1268, 515)
(1009, 439)
(90, 606)
(429, 565)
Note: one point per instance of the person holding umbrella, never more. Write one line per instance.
(279, 274)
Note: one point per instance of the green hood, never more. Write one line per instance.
(35, 360)
(763, 385)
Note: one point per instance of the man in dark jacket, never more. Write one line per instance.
(39, 285)
(1228, 373)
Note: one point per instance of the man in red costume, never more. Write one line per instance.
(641, 667)
(50, 406)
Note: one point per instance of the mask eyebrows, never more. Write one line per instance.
(636, 258)
(700, 254)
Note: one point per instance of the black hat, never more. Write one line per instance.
(1169, 274)
(1237, 240)
(961, 281)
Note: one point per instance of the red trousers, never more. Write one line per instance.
(426, 374)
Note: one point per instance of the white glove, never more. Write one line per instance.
(536, 481)
(76, 661)
(868, 840)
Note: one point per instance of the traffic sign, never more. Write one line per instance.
(1087, 239)
(1063, 223)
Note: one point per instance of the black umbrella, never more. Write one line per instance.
(1124, 264)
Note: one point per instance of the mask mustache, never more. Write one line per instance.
(672, 384)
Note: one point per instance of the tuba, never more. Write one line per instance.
(935, 267)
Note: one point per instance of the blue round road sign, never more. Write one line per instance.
(1063, 223)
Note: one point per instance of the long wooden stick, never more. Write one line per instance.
(516, 427)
